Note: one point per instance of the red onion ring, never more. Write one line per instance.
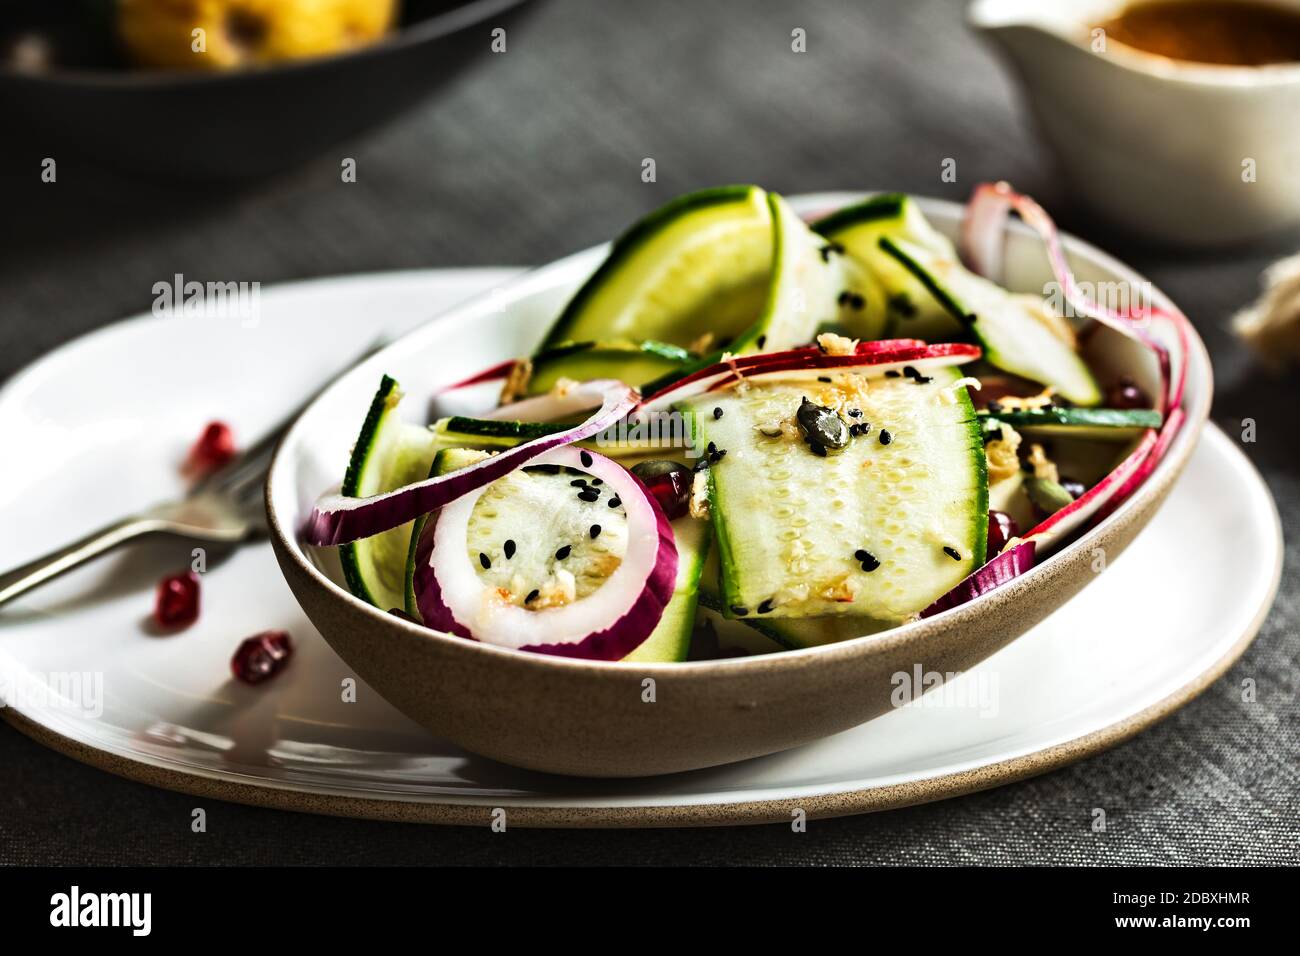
(608, 624)
(1008, 565)
(337, 519)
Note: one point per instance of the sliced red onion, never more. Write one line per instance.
(1048, 532)
(807, 363)
(982, 237)
(1143, 471)
(607, 624)
(493, 373)
(1008, 565)
(337, 519)
(982, 229)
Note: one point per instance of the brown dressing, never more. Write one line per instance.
(1221, 32)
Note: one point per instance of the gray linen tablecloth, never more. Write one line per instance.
(536, 153)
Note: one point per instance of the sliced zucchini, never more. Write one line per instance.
(1105, 424)
(632, 362)
(911, 310)
(1013, 338)
(671, 638)
(811, 285)
(388, 454)
(796, 633)
(699, 264)
(459, 431)
(544, 506)
(789, 524)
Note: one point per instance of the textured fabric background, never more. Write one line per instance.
(536, 153)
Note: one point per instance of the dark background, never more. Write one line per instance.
(536, 153)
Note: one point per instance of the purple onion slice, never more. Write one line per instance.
(607, 624)
(338, 519)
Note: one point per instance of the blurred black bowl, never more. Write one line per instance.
(236, 124)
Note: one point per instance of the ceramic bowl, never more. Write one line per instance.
(597, 718)
(246, 123)
(1187, 153)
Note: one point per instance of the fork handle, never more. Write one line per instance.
(35, 573)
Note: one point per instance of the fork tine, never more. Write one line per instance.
(251, 464)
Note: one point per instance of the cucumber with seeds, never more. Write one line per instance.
(911, 310)
(491, 433)
(1106, 424)
(699, 264)
(388, 454)
(796, 633)
(878, 529)
(1013, 338)
(632, 362)
(552, 516)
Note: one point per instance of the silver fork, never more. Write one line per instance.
(225, 507)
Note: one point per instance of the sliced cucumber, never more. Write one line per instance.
(912, 311)
(671, 638)
(544, 506)
(788, 523)
(1106, 424)
(632, 362)
(796, 633)
(811, 285)
(490, 433)
(388, 454)
(699, 264)
(1013, 339)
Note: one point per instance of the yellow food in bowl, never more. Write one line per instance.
(206, 35)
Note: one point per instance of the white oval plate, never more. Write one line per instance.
(104, 421)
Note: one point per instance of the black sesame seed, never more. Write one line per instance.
(893, 373)
(870, 562)
(532, 596)
(739, 610)
(717, 456)
(484, 560)
(717, 412)
(844, 297)
(585, 458)
(766, 607)
(855, 413)
(578, 483)
(910, 371)
(995, 407)
(711, 447)
(509, 549)
(563, 553)
(762, 340)
(615, 502)
(862, 554)
(857, 302)
(923, 379)
(824, 378)
(971, 319)
(885, 437)
(591, 494)
(597, 481)
(595, 531)
(952, 553)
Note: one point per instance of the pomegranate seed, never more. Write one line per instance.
(215, 447)
(176, 604)
(1126, 394)
(669, 482)
(1002, 528)
(262, 656)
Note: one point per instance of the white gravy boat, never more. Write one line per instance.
(1179, 151)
